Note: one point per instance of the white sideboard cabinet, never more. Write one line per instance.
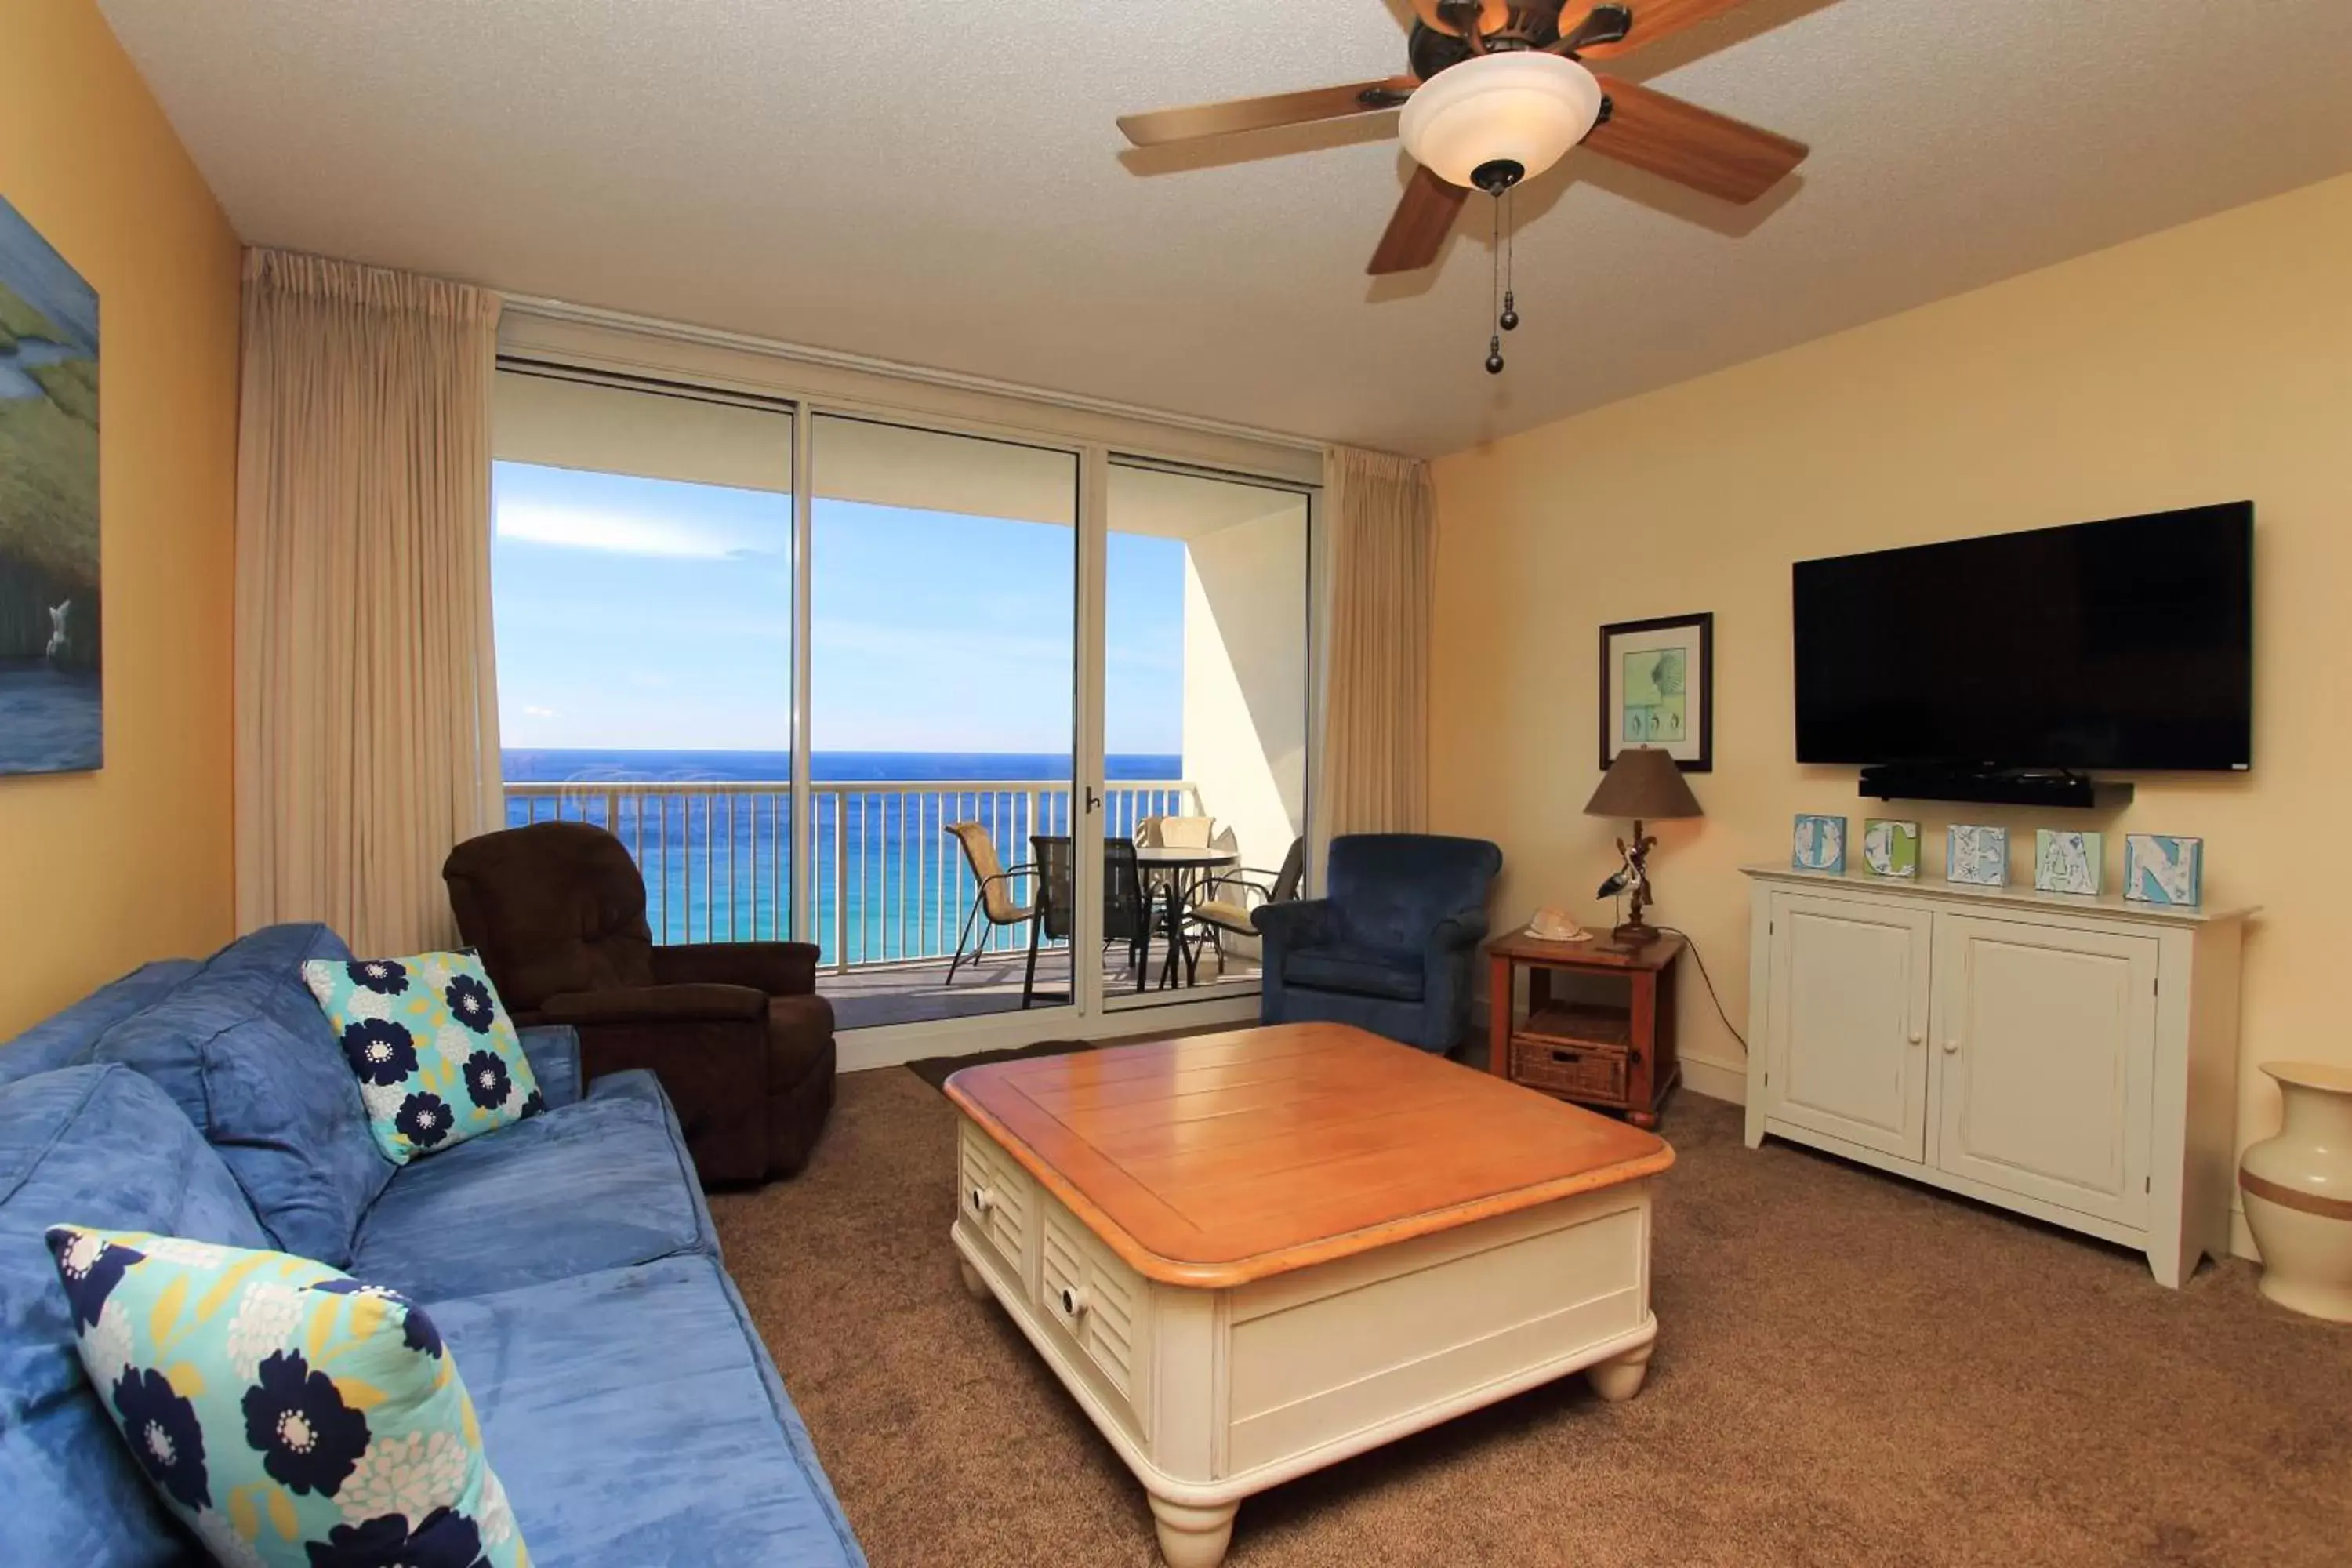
(2073, 1058)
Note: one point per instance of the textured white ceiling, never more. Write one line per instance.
(941, 182)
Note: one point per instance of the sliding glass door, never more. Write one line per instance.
(642, 570)
(1207, 700)
(943, 596)
(1001, 725)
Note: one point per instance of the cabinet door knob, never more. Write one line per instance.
(1918, 1037)
(1073, 1300)
(1951, 1047)
(981, 1200)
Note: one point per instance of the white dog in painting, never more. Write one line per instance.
(57, 629)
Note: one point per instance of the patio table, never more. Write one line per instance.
(1185, 866)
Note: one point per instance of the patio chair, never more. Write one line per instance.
(1127, 913)
(992, 895)
(1230, 897)
(1174, 833)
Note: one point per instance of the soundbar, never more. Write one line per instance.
(1913, 781)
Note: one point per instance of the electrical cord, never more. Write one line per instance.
(1702, 974)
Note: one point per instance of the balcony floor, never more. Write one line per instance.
(918, 993)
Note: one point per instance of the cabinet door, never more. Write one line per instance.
(2047, 1054)
(1845, 1052)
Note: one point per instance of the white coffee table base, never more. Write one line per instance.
(1212, 1394)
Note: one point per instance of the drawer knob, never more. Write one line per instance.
(981, 1200)
(1073, 1300)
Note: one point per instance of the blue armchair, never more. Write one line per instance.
(1388, 946)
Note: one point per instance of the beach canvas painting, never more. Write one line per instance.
(50, 616)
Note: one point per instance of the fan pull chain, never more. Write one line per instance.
(1510, 319)
(1495, 288)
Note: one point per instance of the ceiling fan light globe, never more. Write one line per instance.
(1525, 107)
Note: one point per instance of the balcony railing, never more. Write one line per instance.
(890, 885)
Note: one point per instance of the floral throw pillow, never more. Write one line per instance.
(288, 1413)
(437, 1059)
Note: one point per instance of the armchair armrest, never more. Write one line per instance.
(1242, 883)
(553, 1052)
(1302, 922)
(1463, 928)
(774, 968)
(657, 1005)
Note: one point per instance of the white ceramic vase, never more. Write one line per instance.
(2298, 1191)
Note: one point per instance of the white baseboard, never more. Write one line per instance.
(1715, 1079)
(861, 1050)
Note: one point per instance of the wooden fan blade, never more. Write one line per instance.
(1652, 20)
(1166, 125)
(1492, 14)
(1418, 230)
(1691, 146)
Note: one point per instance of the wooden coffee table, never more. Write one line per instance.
(1252, 1255)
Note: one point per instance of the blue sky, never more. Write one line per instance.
(649, 614)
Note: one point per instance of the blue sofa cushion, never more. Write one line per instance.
(100, 1146)
(1365, 971)
(66, 1038)
(554, 1053)
(599, 1184)
(635, 1418)
(242, 1050)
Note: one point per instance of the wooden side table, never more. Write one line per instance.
(1597, 1051)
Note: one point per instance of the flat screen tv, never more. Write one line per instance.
(2123, 644)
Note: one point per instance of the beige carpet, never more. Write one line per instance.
(1849, 1370)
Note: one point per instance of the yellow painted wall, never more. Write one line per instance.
(2208, 363)
(100, 871)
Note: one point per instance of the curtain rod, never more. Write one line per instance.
(835, 359)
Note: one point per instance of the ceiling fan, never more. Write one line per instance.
(1497, 92)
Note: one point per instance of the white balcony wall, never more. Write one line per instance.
(1246, 669)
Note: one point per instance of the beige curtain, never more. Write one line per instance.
(1375, 760)
(367, 738)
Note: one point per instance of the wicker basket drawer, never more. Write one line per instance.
(1582, 1072)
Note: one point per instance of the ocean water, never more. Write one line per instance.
(714, 838)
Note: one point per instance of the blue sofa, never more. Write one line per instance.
(1388, 946)
(625, 1401)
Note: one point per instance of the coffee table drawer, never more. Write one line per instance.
(1101, 1303)
(1588, 1072)
(996, 1199)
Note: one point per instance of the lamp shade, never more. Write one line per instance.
(1522, 106)
(1644, 783)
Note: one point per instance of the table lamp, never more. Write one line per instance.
(1644, 783)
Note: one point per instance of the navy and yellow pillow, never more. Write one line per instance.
(288, 1413)
(439, 1061)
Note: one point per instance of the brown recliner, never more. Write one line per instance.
(735, 1030)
